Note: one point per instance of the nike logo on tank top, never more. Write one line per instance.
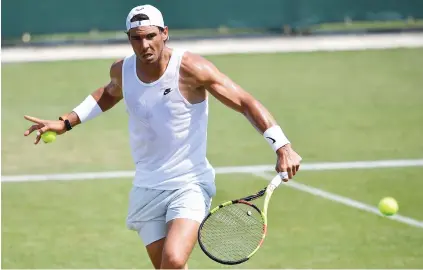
(168, 135)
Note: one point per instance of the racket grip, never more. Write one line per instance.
(276, 181)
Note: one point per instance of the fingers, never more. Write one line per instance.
(37, 139)
(294, 169)
(40, 132)
(43, 129)
(39, 124)
(33, 119)
(289, 172)
(284, 176)
(288, 168)
(285, 173)
(32, 129)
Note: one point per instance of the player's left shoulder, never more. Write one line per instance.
(194, 65)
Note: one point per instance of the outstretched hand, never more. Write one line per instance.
(42, 126)
(288, 161)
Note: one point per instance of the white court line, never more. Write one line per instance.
(223, 46)
(220, 170)
(343, 200)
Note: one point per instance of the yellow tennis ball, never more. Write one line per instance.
(388, 206)
(48, 136)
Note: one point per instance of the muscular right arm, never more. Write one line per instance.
(107, 96)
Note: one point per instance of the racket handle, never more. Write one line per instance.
(284, 175)
(277, 180)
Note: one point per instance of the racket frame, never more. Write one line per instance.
(267, 192)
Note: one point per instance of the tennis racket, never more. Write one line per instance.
(233, 231)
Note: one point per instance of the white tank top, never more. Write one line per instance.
(168, 135)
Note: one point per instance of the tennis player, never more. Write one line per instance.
(166, 91)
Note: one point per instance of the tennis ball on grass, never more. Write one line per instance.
(48, 136)
(388, 206)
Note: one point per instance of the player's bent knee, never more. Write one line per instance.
(173, 260)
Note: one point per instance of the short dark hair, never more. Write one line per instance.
(139, 17)
(143, 17)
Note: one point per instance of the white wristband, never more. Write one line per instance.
(275, 137)
(88, 109)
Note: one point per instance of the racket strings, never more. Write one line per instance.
(233, 232)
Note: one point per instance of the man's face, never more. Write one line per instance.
(147, 42)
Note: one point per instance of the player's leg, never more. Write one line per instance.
(179, 243)
(186, 210)
(153, 236)
(154, 251)
(146, 216)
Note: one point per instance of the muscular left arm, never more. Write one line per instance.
(233, 96)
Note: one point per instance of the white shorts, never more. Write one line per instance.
(150, 209)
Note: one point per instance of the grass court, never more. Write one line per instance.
(333, 106)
